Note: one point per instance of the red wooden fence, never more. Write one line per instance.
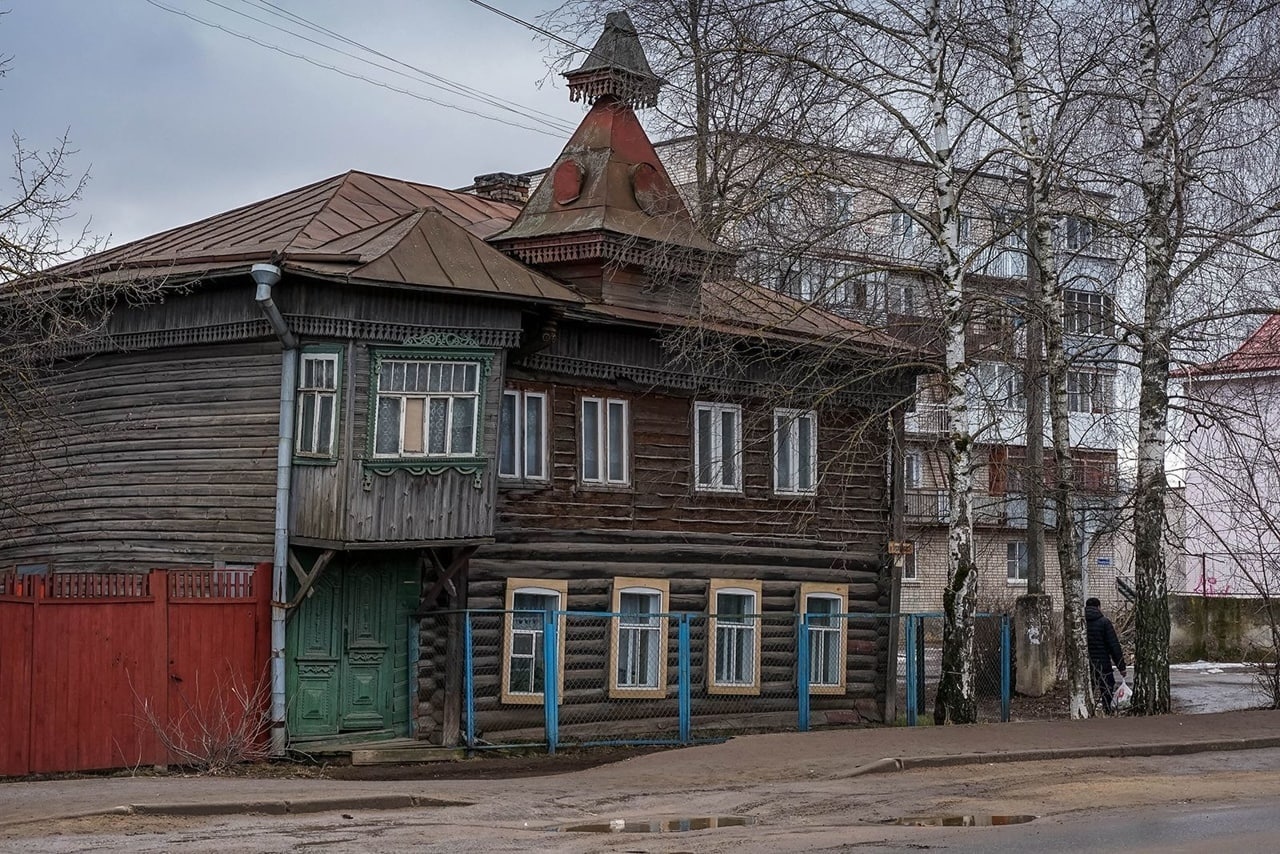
(84, 656)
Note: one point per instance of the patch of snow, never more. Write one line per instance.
(1212, 666)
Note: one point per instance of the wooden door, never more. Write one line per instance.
(365, 700)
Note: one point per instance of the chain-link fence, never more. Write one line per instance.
(920, 665)
(547, 677)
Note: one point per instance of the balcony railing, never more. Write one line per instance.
(933, 507)
(928, 507)
(929, 419)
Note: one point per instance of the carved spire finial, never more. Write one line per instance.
(616, 66)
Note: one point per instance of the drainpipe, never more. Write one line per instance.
(265, 276)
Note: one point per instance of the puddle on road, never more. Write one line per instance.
(658, 825)
(961, 820)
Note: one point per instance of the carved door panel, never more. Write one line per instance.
(316, 656)
(368, 634)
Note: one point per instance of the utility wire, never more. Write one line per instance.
(346, 73)
(443, 82)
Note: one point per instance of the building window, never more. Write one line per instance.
(1016, 561)
(909, 570)
(912, 469)
(530, 604)
(717, 447)
(734, 657)
(795, 451)
(1003, 385)
(639, 665)
(824, 607)
(1088, 313)
(522, 435)
(1088, 391)
(1079, 232)
(839, 206)
(426, 408)
(902, 225)
(604, 441)
(316, 430)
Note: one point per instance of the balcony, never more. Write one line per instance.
(929, 419)
(1002, 262)
(933, 507)
(927, 507)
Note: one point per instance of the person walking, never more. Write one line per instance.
(1104, 649)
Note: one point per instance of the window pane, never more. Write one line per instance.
(507, 435)
(433, 377)
(591, 440)
(437, 425)
(331, 374)
(306, 423)
(387, 437)
(324, 426)
(398, 376)
(806, 452)
(782, 433)
(705, 445)
(463, 439)
(413, 408)
(729, 447)
(617, 442)
(533, 443)
(733, 605)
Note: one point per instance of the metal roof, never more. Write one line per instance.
(356, 225)
(1259, 352)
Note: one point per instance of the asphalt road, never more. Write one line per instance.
(1212, 801)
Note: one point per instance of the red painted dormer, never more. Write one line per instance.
(607, 218)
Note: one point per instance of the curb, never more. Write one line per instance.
(260, 807)
(1157, 748)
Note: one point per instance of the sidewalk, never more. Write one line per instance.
(829, 754)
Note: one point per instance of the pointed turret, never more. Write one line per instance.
(616, 66)
(607, 217)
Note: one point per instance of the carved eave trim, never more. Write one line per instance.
(620, 249)
(635, 90)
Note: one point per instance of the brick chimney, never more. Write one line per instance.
(502, 187)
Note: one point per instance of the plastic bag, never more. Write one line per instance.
(1123, 695)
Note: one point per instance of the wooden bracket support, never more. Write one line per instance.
(306, 579)
(445, 575)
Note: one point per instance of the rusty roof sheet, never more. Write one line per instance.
(1259, 352)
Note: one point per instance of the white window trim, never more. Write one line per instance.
(1011, 564)
(318, 392)
(602, 441)
(717, 447)
(740, 588)
(908, 558)
(541, 587)
(427, 397)
(518, 429)
(840, 593)
(913, 470)
(793, 418)
(661, 589)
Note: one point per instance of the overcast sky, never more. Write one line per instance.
(175, 120)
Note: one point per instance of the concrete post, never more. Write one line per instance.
(1033, 643)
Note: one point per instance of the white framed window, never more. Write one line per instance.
(426, 408)
(795, 451)
(902, 225)
(605, 437)
(530, 603)
(638, 665)
(1088, 391)
(717, 447)
(733, 662)
(522, 435)
(1016, 561)
(315, 434)
(824, 607)
(912, 469)
(1078, 232)
(910, 572)
(839, 205)
(1087, 313)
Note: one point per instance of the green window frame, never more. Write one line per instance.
(426, 409)
(319, 402)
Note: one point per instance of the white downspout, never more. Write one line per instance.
(265, 276)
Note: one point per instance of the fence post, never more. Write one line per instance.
(802, 675)
(550, 680)
(683, 688)
(468, 681)
(911, 668)
(1005, 680)
(922, 670)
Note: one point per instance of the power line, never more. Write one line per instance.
(443, 82)
(346, 73)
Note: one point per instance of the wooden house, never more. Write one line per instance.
(417, 401)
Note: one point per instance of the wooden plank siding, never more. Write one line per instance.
(850, 507)
(164, 456)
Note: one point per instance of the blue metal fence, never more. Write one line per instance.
(572, 692)
(921, 657)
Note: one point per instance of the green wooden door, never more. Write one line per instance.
(347, 647)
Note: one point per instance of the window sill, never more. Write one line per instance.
(523, 483)
(591, 486)
(735, 491)
(315, 461)
(812, 493)
(911, 581)
(1016, 582)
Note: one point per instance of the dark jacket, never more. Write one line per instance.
(1104, 646)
